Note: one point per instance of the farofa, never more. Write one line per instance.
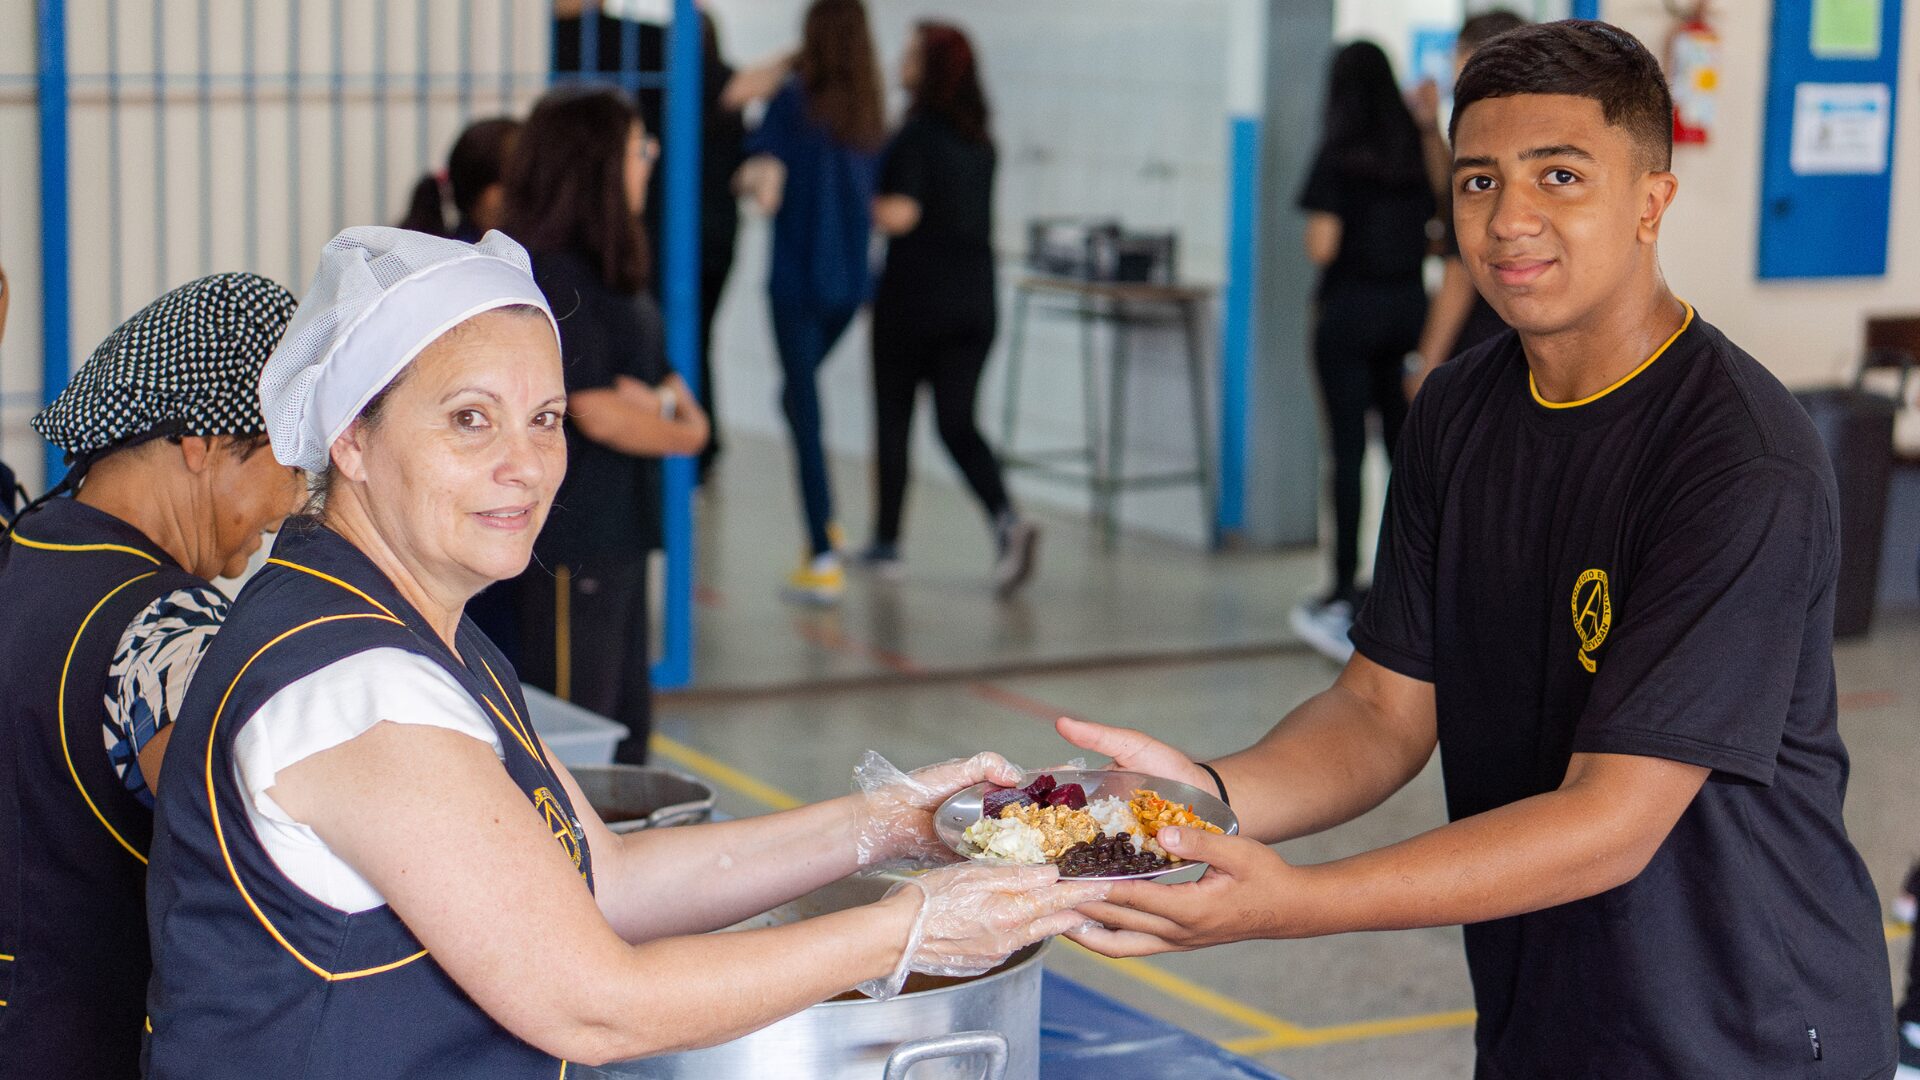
(1060, 827)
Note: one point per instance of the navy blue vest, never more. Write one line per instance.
(73, 840)
(253, 977)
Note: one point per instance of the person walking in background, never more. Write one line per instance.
(933, 312)
(472, 183)
(1459, 317)
(576, 185)
(1368, 203)
(723, 140)
(813, 165)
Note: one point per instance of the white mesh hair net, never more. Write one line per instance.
(380, 296)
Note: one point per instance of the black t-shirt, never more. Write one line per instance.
(609, 505)
(947, 260)
(1651, 573)
(1383, 227)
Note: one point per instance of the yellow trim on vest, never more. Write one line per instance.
(1534, 388)
(563, 633)
(43, 546)
(149, 1025)
(213, 805)
(60, 709)
(517, 725)
(336, 581)
(563, 1061)
(8, 957)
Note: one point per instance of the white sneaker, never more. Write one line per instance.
(884, 562)
(1909, 1052)
(1019, 547)
(1325, 625)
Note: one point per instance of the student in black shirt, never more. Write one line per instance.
(933, 313)
(1459, 317)
(1605, 591)
(576, 186)
(625, 47)
(1368, 202)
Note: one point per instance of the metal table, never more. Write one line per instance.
(1098, 461)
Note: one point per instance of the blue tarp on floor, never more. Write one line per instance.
(1086, 1035)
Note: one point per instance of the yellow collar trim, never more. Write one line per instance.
(1534, 388)
(44, 546)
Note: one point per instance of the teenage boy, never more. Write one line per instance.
(1605, 589)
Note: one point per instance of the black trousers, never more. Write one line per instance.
(713, 282)
(583, 638)
(949, 355)
(1360, 342)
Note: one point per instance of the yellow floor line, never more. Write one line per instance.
(721, 773)
(1196, 995)
(1335, 1033)
(1896, 931)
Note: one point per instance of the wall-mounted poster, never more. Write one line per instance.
(1841, 128)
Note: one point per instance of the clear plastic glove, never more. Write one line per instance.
(896, 819)
(974, 917)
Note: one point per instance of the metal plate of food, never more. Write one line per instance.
(1091, 823)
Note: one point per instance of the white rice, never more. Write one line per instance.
(1115, 816)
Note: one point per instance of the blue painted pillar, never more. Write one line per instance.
(680, 259)
(1246, 69)
(55, 285)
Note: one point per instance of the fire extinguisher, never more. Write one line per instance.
(1693, 70)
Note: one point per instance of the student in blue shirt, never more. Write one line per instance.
(813, 165)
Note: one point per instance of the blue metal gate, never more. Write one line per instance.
(248, 133)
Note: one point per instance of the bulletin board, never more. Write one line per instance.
(1833, 81)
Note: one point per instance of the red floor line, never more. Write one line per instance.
(1019, 703)
(1868, 699)
(835, 641)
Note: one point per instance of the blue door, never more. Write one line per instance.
(1827, 173)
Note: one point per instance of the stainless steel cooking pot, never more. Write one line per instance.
(629, 797)
(966, 1029)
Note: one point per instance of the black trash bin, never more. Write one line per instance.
(1857, 428)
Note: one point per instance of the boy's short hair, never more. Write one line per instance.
(1484, 27)
(1579, 58)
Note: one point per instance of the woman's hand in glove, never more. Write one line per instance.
(973, 917)
(894, 811)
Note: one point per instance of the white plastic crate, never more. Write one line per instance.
(576, 736)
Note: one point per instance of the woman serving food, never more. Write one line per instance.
(368, 865)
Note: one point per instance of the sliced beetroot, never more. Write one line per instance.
(1071, 796)
(1000, 798)
(1039, 788)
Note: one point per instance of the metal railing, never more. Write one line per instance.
(240, 136)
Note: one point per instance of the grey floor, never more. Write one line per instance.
(1191, 647)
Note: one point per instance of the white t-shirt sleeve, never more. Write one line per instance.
(321, 711)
